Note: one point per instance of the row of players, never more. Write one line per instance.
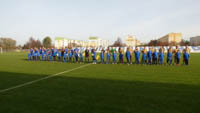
(152, 56)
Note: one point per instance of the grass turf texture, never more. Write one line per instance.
(98, 88)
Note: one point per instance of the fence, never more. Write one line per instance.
(193, 49)
(13, 50)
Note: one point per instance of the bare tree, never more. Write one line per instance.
(7, 43)
(32, 43)
(118, 43)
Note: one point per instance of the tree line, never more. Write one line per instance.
(32, 43)
(9, 43)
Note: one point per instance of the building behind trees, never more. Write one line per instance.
(171, 39)
(132, 41)
(195, 41)
(61, 42)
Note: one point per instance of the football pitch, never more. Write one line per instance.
(57, 87)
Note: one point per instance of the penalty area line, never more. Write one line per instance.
(40, 79)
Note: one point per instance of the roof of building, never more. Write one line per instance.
(60, 38)
(93, 38)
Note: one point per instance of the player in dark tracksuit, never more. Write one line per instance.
(87, 55)
(76, 55)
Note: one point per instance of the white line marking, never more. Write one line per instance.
(43, 78)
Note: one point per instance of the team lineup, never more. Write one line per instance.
(151, 56)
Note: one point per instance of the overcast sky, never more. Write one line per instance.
(107, 19)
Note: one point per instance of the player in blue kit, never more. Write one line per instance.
(31, 52)
(155, 57)
(73, 57)
(65, 57)
(59, 55)
(35, 53)
(178, 57)
(29, 56)
(94, 56)
(66, 51)
(102, 56)
(169, 56)
(161, 55)
(149, 55)
(186, 58)
(121, 56)
(81, 57)
(47, 55)
(50, 56)
(114, 55)
(43, 55)
(161, 58)
(144, 56)
(33, 56)
(131, 55)
(186, 55)
(40, 51)
(54, 51)
(128, 55)
(38, 56)
(44, 51)
(137, 56)
(70, 56)
(108, 57)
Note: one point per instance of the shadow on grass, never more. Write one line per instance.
(63, 94)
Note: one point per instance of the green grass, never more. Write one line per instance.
(98, 88)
